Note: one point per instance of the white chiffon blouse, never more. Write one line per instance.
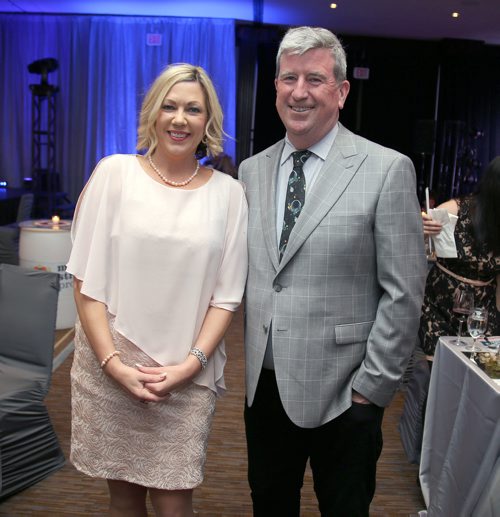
(158, 257)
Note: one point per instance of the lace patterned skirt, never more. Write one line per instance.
(159, 445)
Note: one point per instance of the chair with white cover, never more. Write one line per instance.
(29, 448)
(411, 423)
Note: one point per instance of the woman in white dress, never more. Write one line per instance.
(159, 261)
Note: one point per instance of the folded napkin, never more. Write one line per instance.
(444, 243)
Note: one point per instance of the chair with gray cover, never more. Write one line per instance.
(9, 233)
(29, 448)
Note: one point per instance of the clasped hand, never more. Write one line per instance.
(137, 383)
(149, 383)
(174, 377)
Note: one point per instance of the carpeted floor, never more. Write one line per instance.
(225, 492)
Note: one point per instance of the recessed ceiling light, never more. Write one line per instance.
(333, 6)
(455, 15)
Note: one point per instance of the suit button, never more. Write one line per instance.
(277, 288)
(265, 328)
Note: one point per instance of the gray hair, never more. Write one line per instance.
(299, 40)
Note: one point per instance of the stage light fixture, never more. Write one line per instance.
(43, 67)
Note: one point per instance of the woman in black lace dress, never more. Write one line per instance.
(477, 266)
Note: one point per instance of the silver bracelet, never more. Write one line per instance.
(200, 356)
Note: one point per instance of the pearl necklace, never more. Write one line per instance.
(171, 182)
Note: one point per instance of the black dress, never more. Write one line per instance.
(473, 262)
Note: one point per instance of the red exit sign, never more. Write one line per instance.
(153, 39)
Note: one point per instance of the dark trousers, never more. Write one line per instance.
(343, 454)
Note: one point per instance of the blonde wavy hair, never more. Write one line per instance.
(211, 142)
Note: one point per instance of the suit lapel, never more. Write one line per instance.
(267, 192)
(342, 163)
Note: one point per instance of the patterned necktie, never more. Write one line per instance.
(295, 197)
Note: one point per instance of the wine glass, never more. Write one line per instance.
(463, 304)
(477, 322)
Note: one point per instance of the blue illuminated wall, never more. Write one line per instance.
(234, 9)
(105, 67)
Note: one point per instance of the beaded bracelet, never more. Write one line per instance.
(105, 361)
(200, 356)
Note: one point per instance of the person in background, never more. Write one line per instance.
(223, 162)
(477, 266)
(159, 261)
(336, 276)
(432, 201)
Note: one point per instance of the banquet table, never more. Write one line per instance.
(460, 462)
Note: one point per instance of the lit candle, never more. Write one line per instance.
(55, 222)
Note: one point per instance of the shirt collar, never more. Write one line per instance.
(320, 149)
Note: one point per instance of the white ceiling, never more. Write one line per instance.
(415, 19)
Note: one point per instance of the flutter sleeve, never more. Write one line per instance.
(233, 267)
(94, 233)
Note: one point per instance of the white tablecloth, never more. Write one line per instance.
(460, 465)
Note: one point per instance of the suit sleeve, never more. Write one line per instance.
(401, 272)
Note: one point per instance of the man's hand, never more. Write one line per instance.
(358, 398)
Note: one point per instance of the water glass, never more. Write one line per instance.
(477, 323)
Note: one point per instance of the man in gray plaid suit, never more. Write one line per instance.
(334, 290)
